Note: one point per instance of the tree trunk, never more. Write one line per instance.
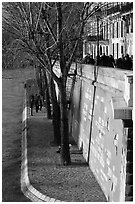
(47, 98)
(48, 105)
(55, 114)
(65, 153)
(39, 79)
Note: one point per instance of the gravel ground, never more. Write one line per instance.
(73, 183)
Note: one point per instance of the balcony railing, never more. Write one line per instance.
(94, 37)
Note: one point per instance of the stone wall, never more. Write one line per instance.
(101, 123)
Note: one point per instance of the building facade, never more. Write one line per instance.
(111, 31)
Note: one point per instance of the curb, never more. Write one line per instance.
(28, 190)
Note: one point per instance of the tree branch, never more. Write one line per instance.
(39, 16)
(48, 26)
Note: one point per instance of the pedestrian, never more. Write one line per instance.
(128, 62)
(92, 61)
(86, 59)
(104, 60)
(40, 102)
(120, 62)
(36, 103)
(111, 61)
(98, 60)
(31, 101)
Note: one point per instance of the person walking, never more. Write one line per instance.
(104, 60)
(86, 59)
(120, 62)
(36, 103)
(40, 102)
(128, 62)
(111, 61)
(31, 104)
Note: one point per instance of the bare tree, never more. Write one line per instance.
(50, 32)
(67, 34)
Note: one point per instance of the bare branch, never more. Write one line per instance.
(49, 26)
(31, 21)
(39, 16)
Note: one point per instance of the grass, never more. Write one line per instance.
(12, 105)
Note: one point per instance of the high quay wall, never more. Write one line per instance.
(101, 122)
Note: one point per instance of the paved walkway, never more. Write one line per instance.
(47, 180)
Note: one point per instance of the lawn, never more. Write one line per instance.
(12, 105)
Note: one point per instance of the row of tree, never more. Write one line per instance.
(46, 32)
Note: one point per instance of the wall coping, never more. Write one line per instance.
(114, 78)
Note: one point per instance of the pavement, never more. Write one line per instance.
(43, 178)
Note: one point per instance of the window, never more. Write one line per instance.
(113, 49)
(107, 30)
(94, 48)
(101, 31)
(117, 29)
(106, 50)
(85, 48)
(104, 31)
(122, 49)
(113, 30)
(127, 23)
(132, 23)
(103, 49)
(121, 28)
(117, 50)
(100, 50)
